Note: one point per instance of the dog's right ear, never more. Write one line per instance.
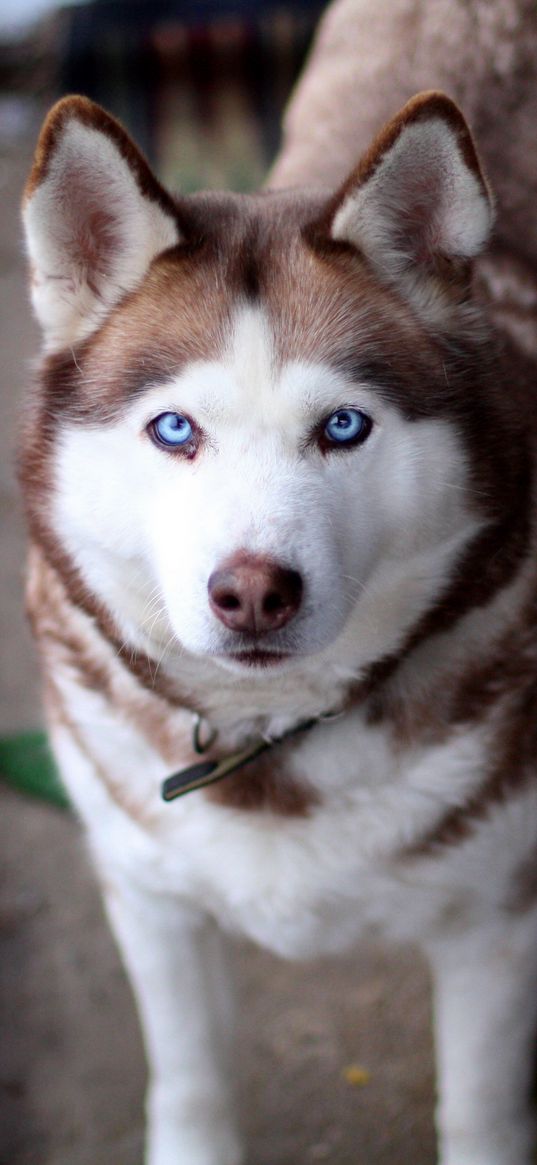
(417, 207)
(95, 217)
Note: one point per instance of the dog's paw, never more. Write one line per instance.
(180, 1145)
(503, 1146)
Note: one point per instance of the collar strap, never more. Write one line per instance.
(208, 772)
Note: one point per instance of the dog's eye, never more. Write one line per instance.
(347, 427)
(171, 430)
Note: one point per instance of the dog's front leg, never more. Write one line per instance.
(485, 1017)
(176, 963)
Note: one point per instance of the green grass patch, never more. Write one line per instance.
(27, 764)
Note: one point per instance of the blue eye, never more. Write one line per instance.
(172, 430)
(347, 427)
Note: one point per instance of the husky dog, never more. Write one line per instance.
(278, 471)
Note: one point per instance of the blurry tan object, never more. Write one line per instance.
(369, 58)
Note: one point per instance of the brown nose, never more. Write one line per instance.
(254, 595)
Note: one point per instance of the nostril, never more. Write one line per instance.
(272, 603)
(225, 592)
(228, 602)
(287, 593)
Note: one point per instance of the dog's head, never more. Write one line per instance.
(265, 426)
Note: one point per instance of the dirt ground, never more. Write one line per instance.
(71, 1063)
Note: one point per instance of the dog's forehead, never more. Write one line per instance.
(320, 297)
(258, 250)
(320, 304)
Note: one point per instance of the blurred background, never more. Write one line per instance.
(200, 84)
(335, 1056)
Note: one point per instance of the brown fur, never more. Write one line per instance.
(523, 894)
(265, 785)
(139, 811)
(501, 691)
(71, 640)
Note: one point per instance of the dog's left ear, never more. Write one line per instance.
(95, 217)
(417, 198)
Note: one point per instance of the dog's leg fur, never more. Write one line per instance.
(177, 969)
(485, 1012)
(176, 961)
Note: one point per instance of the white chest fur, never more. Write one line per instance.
(299, 885)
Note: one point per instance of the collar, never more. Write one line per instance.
(208, 772)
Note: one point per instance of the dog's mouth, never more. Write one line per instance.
(257, 658)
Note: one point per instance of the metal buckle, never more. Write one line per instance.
(198, 743)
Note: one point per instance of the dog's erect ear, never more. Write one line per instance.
(94, 216)
(418, 197)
